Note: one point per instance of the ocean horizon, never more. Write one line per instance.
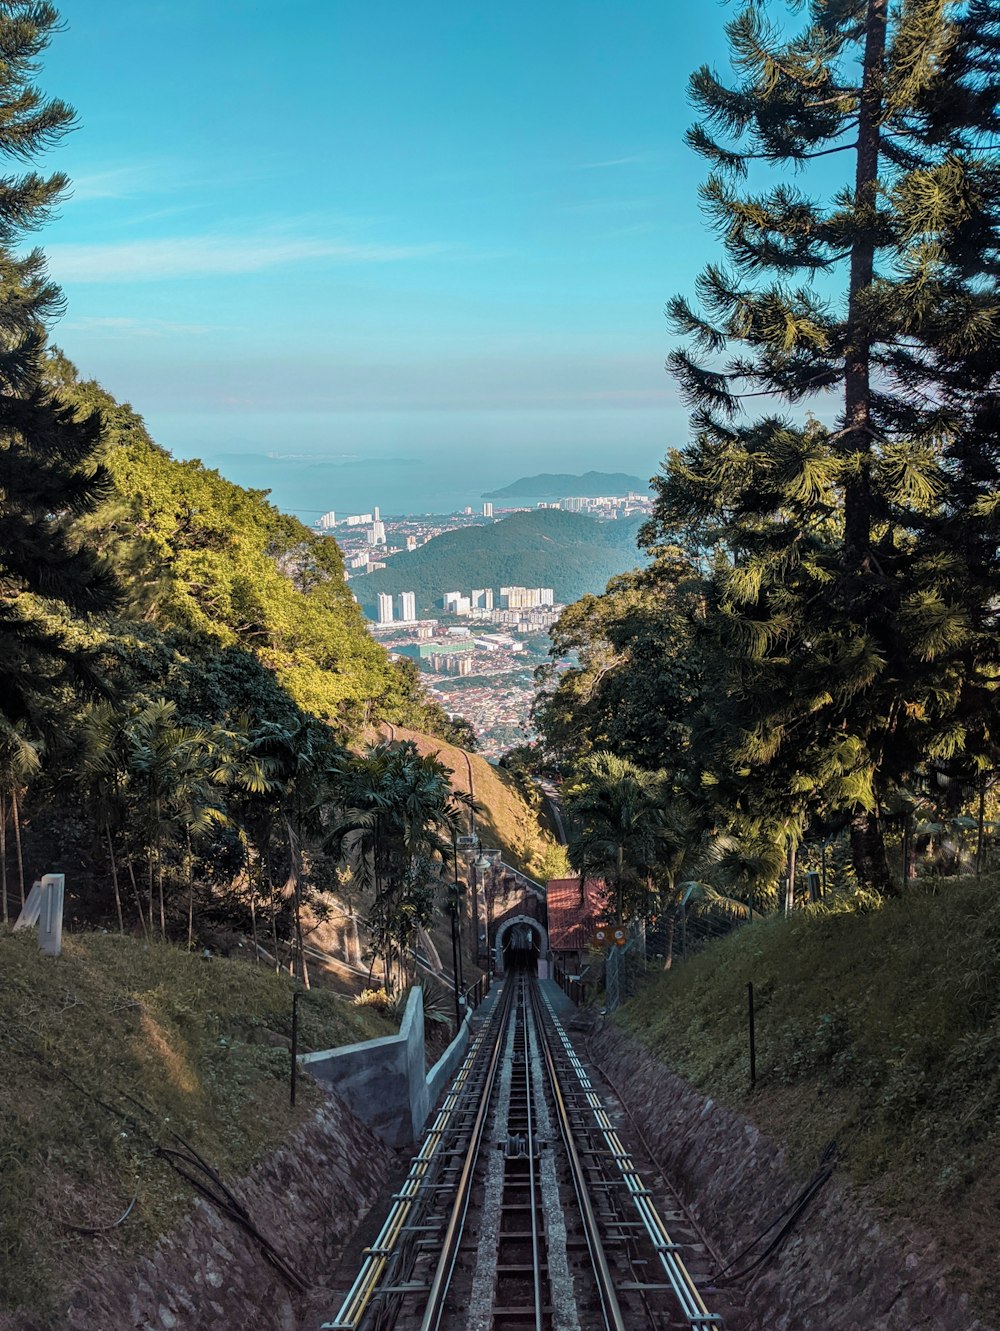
(350, 462)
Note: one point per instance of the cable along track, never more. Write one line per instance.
(522, 1210)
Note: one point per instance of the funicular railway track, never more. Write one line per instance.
(522, 1210)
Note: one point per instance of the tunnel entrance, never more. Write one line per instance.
(522, 945)
(520, 949)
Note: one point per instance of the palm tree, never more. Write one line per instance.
(616, 810)
(174, 769)
(397, 820)
(294, 765)
(20, 759)
(105, 775)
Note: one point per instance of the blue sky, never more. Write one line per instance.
(361, 229)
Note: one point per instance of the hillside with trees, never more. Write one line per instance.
(570, 552)
(185, 680)
(807, 669)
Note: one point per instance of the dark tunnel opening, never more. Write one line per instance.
(520, 949)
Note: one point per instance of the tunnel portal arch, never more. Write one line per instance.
(543, 942)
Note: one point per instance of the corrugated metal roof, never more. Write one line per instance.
(572, 920)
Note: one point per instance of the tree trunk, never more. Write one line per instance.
(980, 827)
(159, 888)
(3, 858)
(790, 888)
(253, 916)
(668, 960)
(869, 857)
(274, 905)
(114, 877)
(190, 885)
(294, 885)
(16, 817)
(857, 441)
(138, 898)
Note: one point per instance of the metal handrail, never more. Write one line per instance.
(463, 1191)
(377, 1257)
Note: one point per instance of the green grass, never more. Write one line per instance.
(201, 1045)
(879, 1027)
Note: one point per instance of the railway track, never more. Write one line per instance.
(523, 1210)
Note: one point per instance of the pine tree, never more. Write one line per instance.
(854, 625)
(48, 472)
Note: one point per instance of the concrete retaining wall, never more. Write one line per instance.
(307, 1198)
(385, 1081)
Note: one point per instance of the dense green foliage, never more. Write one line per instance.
(47, 454)
(826, 587)
(571, 553)
(234, 665)
(564, 485)
(878, 1026)
(208, 558)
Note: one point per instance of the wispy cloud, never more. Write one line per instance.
(114, 326)
(213, 255)
(118, 183)
(612, 161)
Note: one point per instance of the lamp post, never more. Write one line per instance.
(455, 893)
(454, 961)
(484, 866)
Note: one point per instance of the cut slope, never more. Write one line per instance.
(880, 1030)
(506, 820)
(107, 1051)
(546, 547)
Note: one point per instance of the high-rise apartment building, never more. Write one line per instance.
(482, 598)
(525, 598)
(405, 605)
(384, 608)
(487, 510)
(411, 543)
(327, 521)
(377, 534)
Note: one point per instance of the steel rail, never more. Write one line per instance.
(378, 1256)
(610, 1307)
(525, 1001)
(463, 1189)
(693, 1308)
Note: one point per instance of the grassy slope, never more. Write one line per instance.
(506, 820)
(881, 1030)
(200, 1043)
(570, 552)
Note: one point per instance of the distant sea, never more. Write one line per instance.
(411, 463)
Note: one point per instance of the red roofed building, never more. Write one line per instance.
(573, 918)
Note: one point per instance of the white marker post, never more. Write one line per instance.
(50, 919)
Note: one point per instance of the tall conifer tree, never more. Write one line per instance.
(856, 628)
(48, 472)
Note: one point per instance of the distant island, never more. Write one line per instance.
(547, 547)
(555, 485)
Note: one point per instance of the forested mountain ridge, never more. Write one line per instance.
(200, 555)
(570, 552)
(558, 485)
